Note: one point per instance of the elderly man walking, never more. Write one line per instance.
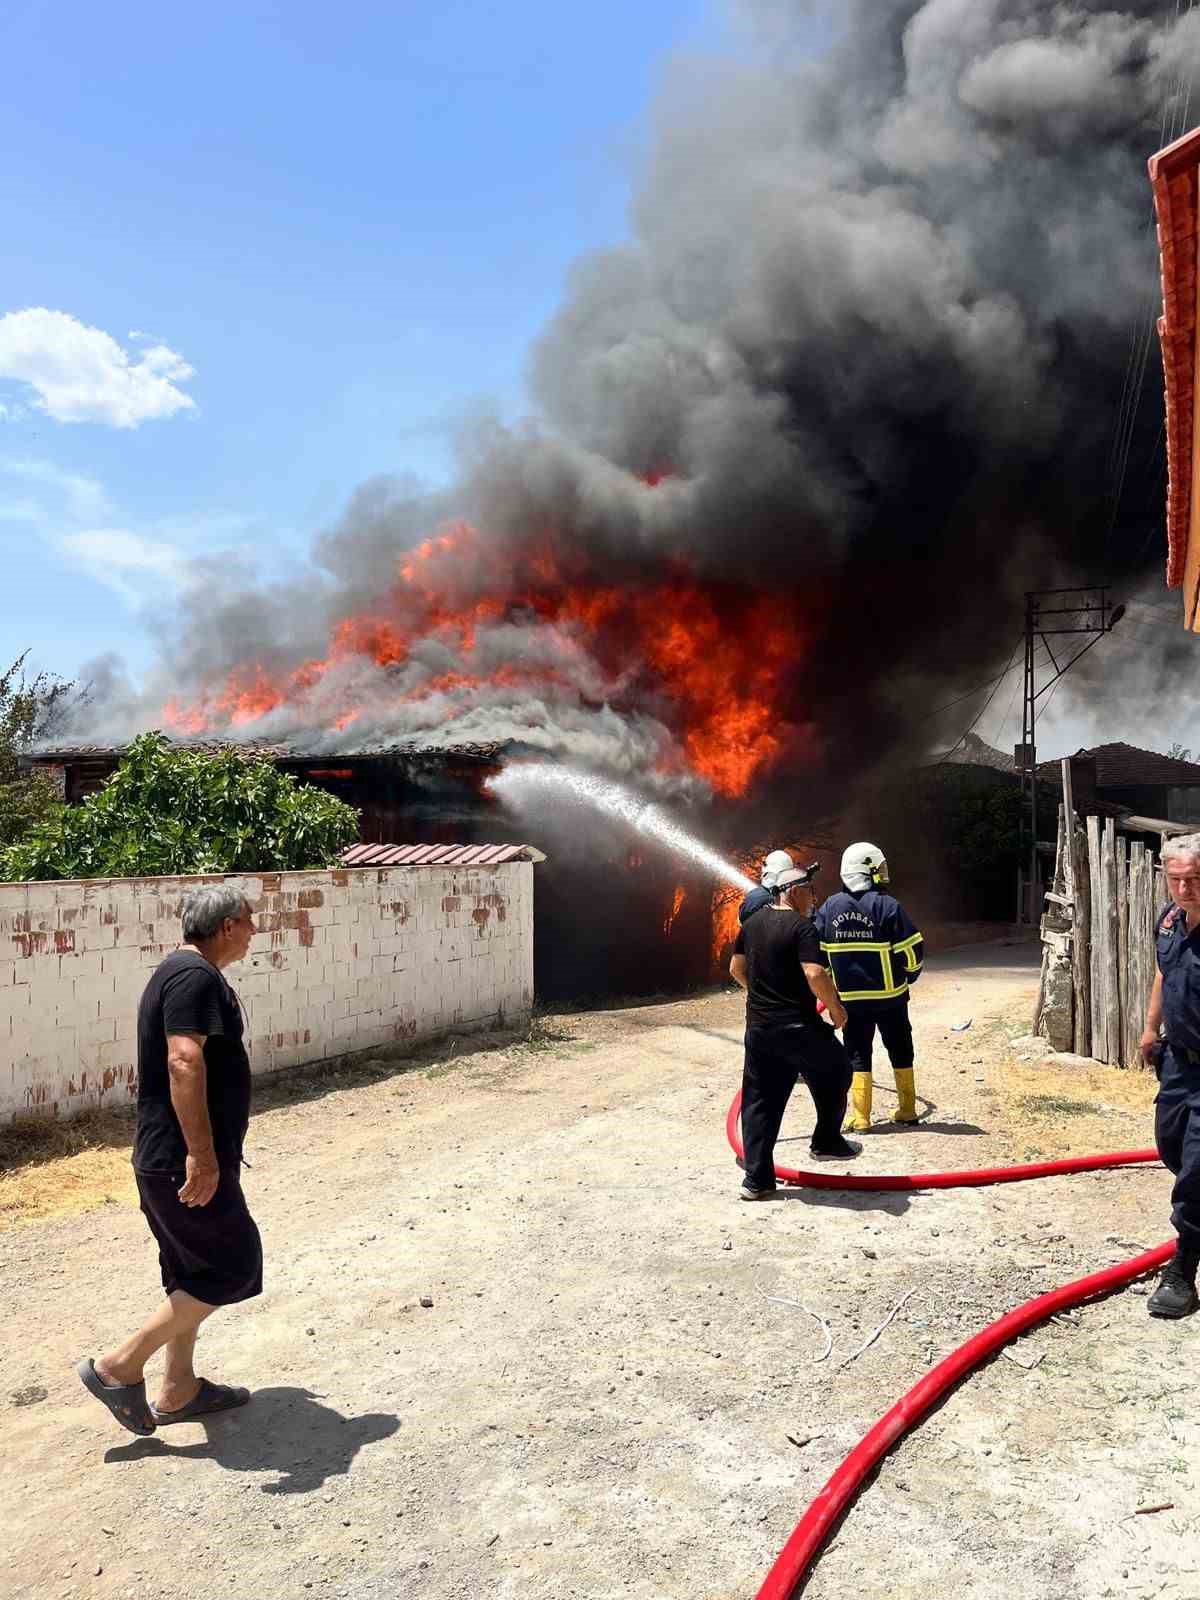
(193, 1110)
(1171, 1044)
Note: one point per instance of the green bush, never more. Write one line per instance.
(169, 810)
(28, 800)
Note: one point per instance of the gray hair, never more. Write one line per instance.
(204, 910)
(1182, 846)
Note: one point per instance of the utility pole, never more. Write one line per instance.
(1049, 612)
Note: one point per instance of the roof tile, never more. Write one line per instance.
(435, 855)
(1174, 180)
(1123, 766)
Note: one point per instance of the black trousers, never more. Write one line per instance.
(895, 1030)
(775, 1058)
(1177, 1135)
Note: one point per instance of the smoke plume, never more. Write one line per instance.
(859, 377)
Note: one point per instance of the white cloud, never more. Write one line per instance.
(83, 499)
(146, 565)
(127, 562)
(81, 374)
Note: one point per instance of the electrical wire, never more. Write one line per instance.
(958, 699)
(979, 715)
(1172, 124)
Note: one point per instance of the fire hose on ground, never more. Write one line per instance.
(792, 1564)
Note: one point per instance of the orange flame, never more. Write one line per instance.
(725, 924)
(676, 908)
(712, 661)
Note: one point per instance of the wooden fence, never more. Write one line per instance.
(1097, 939)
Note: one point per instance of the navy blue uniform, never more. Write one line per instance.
(1177, 1106)
(754, 901)
(875, 953)
(871, 944)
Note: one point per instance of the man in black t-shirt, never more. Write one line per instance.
(777, 960)
(193, 1110)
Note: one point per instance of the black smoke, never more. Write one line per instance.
(876, 318)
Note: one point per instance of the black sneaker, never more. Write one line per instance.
(1176, 1293)
(843, 1150)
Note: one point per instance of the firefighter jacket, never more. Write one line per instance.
(754, 901)
(871, 945)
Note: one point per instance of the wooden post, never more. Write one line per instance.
(1152, 896)
(1081, 945)
(1099, 1049)
(1051, 941)
(1071, 893)
(1123, 984)
(1068, 888)
(1136, 997)
(1112, 988)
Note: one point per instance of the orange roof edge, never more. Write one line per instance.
(1175, 158)
(1175, 181)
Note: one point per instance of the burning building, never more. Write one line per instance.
(611, 916)
(864, 372)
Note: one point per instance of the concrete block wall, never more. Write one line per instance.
(344, 960)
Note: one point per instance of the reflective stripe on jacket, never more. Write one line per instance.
(873, 948)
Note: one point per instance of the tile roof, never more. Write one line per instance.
(438, 855)
(280, 751)
(210, 747)
(1121, 766)
(1174, 180)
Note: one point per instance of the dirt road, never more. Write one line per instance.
(601, 1402)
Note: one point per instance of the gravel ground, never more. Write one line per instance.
(601, 1400)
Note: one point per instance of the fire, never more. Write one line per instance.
(725, 924)
(249, 695)
(711, 661)
(676, 908)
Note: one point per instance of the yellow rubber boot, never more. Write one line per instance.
(859, 1120)
(906, 1091)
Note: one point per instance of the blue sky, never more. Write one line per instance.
(278, 248)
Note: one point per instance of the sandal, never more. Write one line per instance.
(126, 1401)
(210, 1397)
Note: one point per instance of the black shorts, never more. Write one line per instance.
(212, 1252)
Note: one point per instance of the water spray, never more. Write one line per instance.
(643, 816)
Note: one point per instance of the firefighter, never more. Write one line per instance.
(778, 861)
(777, 961)
(875, 953)
(1171, 1044)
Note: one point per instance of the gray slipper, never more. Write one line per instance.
(209, 1397)
(127, 1401)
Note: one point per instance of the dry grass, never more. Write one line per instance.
(1058, 1106)
(50, 1168)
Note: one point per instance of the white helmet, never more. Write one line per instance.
(778, 861)
(864, 866)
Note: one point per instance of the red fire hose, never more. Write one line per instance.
(794, 1560)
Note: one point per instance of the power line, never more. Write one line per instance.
(958, 699)
(975, 723)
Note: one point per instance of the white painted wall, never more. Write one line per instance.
(345, 960)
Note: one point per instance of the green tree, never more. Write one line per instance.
(28, 710)
(967, 826)
(1180, 752)
(169, 810)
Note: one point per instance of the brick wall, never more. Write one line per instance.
(344, 961)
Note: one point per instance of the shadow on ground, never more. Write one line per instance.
(286, 1431)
